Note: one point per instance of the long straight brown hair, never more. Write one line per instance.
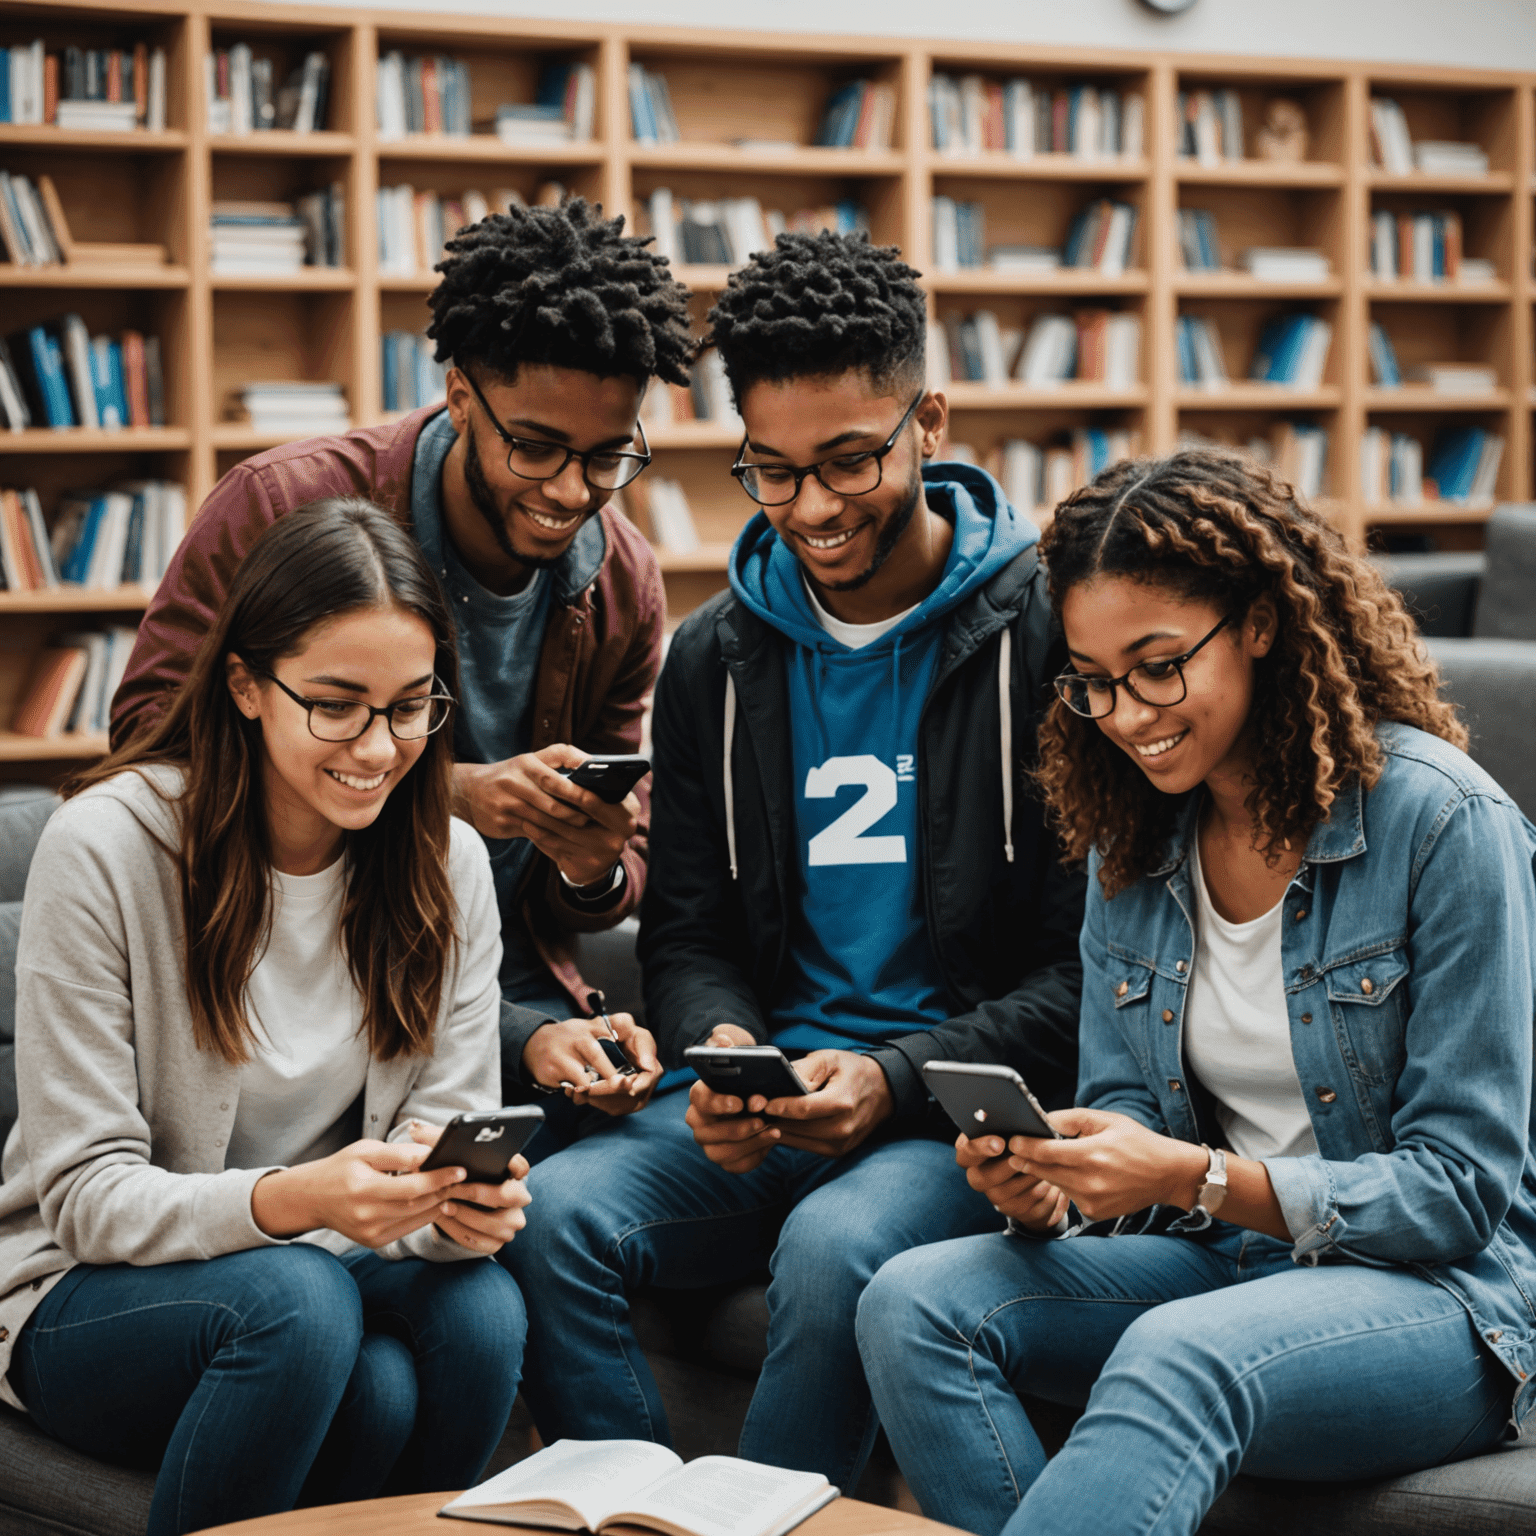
(332, 557)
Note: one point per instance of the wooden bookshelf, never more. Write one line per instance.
(220, 332)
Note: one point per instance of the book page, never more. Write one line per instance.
(590, 1476)
(725, 1496)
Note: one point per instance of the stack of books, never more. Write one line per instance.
(728, 230)
(1100, 237)
(1208, 126)
(422, 95)
(58, 375)
(971, 114)
(1292, 352)
(651, 119)
(1202, 358)
(100, 90)
(1440, 157)
(34, 231)
(959, 234)
(707, 397)
(1199, 244)
(122, 536)
(26, 560)
(1286, 264)
(1024, 259)
(243, 96)
(1424, 248)
(1092, 346)
(296, 408)
(411, 377)
(1037, 478)
(1455, 378)
(858, 115)
(1391, 468)
(72, 684)
(414, 227)
(1385, 373)
(1464, 465)
(562, 112)
(256, 239)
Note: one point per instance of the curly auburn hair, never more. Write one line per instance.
(1213, 526)
(560, 285)
(817, 305)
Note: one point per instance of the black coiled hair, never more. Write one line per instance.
(564, 286)
(818, 305)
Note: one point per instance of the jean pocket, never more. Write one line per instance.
(1368, 1000)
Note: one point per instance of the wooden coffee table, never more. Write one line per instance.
(416, 1515)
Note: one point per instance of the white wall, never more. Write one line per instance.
(1488, 33)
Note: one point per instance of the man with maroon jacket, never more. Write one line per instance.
(554, 322)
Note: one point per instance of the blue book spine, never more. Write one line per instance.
(133, 551)
(48, 364)
(1187, 372)
(101, 385)
(5, 85)
(553, 80)
(118, 382)
(78, 561)
(391, 382)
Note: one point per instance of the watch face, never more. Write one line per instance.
(1168, 7)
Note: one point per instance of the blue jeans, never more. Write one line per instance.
(636, 1203)
(1195, 1358)
(258, 1381)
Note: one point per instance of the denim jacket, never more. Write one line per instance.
(1408, 948)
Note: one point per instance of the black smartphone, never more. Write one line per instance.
(483, 1144)
(743, 1070)
(609, 778)
(987, 1100)
(616, 1057)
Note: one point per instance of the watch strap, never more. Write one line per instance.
(1213, 1192)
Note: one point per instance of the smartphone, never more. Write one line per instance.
(483, 1144)
(743, 1070)
(987, 1100)
(609, 778)
(616, 1057)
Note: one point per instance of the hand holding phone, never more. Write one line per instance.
(609, 777)
(484, 1144)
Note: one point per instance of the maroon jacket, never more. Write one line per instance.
(599, 663)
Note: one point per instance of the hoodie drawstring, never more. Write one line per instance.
(1005, 714)
(730, 784)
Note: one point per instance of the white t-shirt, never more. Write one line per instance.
(300, 1093)
(1237, 1033)
(854, 636)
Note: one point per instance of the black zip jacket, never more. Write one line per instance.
(714, 946)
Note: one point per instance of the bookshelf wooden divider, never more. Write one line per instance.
(221, 332)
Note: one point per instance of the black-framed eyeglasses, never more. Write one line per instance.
(347, 719)
(1158, 683)
(849, 474)
(604, 469)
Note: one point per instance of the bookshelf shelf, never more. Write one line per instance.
(480, 148)
(118, 278)
(1260, 173)
(1069, 282)
(280, 141)
(68, 599)
(50, 749)
(94, 440)
(1036, 167)
(306, 280)
(219, 333)
(1238, 285)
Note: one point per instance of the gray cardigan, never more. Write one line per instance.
(118, 1154)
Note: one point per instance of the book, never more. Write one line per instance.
(1286, 264)
(44, 709)
(592, 1485)
(1455, 378)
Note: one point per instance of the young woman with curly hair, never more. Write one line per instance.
(1302, 1152)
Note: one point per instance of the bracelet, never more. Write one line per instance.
(615, 879)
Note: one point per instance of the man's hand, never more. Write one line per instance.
(569, 1053)
(849, 1097)
(527, 797)
(1113, 1165)
(481, 1231)
(737, 1142)
(990, 1171)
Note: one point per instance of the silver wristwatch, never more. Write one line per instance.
(1211, 1194)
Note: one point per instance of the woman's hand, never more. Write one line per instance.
(369, 1191)
(483, 1231)
(1030, 1201)
(1114, 1165)
(569, 1053)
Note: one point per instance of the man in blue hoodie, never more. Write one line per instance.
(847, 862)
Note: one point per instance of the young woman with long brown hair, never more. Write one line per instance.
(256, 973)
(1303, 1145)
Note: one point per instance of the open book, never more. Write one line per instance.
(591, 1485)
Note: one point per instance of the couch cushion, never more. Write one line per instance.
(1494, 682)
(46, 1487)
(1506, 608)
(1440, 589)
(24, 811)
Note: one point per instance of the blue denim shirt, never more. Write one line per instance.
(1408, 948)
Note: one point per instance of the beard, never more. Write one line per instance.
(485, 504)
(890, 536)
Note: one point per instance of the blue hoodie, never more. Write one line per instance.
(861, 968)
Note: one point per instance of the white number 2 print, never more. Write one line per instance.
(843, 842)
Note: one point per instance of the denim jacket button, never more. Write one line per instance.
(1367, 985)
(1327, 1095)
(1176, 1085)
(1306, 1018)
(1181, 966)
(1122, 989)
(1301, 912)
(1167, 1015)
